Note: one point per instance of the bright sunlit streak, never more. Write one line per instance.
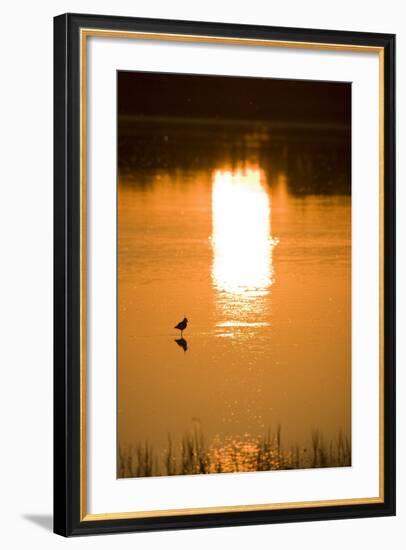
(241, 236)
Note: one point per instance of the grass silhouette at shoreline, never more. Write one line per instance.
(193, 456)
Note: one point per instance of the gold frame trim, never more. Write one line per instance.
(84, 34)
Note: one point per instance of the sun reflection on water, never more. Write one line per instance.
(242, 270)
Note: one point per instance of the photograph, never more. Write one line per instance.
(233, 274)
(201, 248)
(224, 274)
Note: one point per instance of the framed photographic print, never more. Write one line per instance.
(224, 274)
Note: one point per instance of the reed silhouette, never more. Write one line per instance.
(192, 455)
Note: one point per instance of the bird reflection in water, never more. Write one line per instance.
(182, 343)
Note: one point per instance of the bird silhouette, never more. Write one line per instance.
(182, 326)
(182, 343)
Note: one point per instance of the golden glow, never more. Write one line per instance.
(241, 236)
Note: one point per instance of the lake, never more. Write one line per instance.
(246, 232)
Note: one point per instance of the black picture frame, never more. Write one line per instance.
(67, 320)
